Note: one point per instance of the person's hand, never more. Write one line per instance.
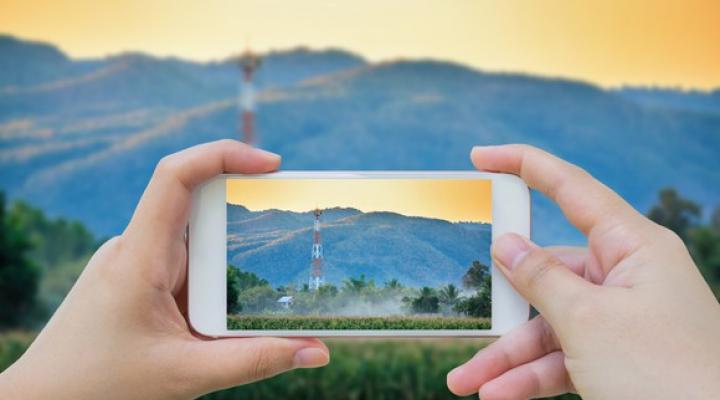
(630, 317)
(120, 333)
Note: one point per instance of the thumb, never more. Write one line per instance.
(539, 276)
(223, 363)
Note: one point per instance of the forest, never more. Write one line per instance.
(362, 304)
(42, 256)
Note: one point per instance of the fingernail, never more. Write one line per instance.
(310, 357)
(455, 375)
(509, 249)
(267, 153)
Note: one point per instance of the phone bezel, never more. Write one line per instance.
(207, 235)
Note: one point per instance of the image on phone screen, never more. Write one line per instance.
(358, 254)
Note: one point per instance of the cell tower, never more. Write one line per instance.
(248, 62)
(316, 276)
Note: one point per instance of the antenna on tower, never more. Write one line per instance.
(248, 62)
(316, 264)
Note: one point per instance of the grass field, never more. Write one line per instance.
(348, 323)
(359, 369)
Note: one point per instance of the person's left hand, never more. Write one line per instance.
(120, 333)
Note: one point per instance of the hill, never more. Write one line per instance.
(275, 245)
(83, 144)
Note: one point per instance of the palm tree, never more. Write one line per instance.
(393, 284)
(355, 284)
(427, 302)
(449, 294)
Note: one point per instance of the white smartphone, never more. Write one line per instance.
(353, 253)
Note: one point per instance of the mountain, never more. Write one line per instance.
(84, 144)
(276, 244)
(674, 99)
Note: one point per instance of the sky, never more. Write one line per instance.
(609, 42)
(449, 199)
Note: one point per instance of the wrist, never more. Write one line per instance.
(10, 387)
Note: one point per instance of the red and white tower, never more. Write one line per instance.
(316, 273)
(249, 62)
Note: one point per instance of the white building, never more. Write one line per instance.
(285, 301)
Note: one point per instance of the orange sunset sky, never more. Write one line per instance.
(609, 42)
(449, 199)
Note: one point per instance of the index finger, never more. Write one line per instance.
(585, 201)
(164, 207)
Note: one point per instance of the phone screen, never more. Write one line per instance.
(358, 254)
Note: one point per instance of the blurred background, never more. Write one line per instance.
(92, 94)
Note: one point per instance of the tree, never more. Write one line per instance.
(715, 220)
(478, 305)
(326, 291)
(675, 212)
(233, 291)
(393, 284)
(475, 275)
(357, 285)
(247, 280)
(238, 282)
(19, 276)
(449, 295)
(54, 240)
(259, 299)
(427, 302)
(704, 244)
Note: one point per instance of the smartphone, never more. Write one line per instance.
(353, 253)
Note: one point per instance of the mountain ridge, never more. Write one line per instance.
(60, 149)
(418, 251)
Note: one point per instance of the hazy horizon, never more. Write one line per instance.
(609, 43)
(302, 47)
(447, 199)
(353, 208)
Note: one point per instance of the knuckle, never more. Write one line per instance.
(670, 238)
(110, 250)
(229, 143)
(535, 268)
(113, 245)
(167, 166)
(527, 148)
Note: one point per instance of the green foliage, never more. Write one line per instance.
(479, 304)
(258, 299)
(393, 284)
(327, 291)
(475, 276)
(370, 369)
(682, 216)
(675, 212)
(247, 280)
(427, 302)
(359, 284)
(449, 295)
(715, 220)
(704, 243)
(19, 275)
(238, 282)
(278, 322)
(12, 345)
(54, 240)
(58, 250)
(232, 285)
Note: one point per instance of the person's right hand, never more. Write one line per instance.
(630, 317)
